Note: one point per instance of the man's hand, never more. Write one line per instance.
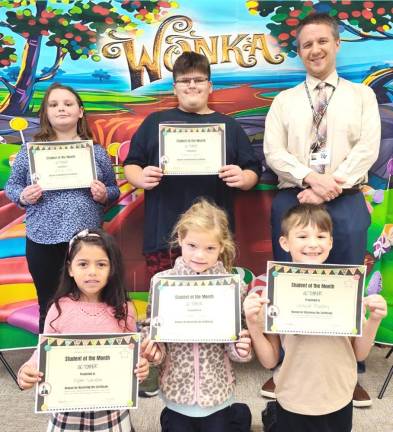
(308, 196)
(324, 185)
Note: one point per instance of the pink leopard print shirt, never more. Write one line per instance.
(197, 372)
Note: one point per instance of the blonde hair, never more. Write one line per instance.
(307, 214)
(205, 216)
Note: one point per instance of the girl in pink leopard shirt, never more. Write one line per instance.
(196, 379)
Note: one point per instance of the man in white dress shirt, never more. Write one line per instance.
(321, 146)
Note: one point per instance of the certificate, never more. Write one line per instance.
(87, 372)
(192, 149)
(195, 308)
(314, 299)
(58, 165)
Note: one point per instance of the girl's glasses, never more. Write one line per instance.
(187, 81)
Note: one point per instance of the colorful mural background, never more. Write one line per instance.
(119, 54)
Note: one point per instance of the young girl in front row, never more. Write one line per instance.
(91, 298)
(315, 383)
(196, 379)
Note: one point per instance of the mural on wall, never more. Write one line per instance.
(118, 54)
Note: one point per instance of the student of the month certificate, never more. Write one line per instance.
(314, 299)
(195, 308)
(87, 372)
(192, 149)
(58, 165)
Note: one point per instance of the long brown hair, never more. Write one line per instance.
(46, 132)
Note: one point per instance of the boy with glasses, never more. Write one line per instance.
(167, 197)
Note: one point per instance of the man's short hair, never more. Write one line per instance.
(191, 61)
(319, 18)
(306, 214)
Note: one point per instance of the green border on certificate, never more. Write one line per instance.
(87, 372)
(58, 165)
(202, 308)
(192, 148)
(309, 299)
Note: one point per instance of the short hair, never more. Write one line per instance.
(191, 61)
(206, 216)
(306, 214)
(319, 18)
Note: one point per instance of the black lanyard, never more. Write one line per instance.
(319, 116)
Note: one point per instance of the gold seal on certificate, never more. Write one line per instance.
(192, 149)
(308, 299)
(195, 308)
(58, 165)
(87, 372)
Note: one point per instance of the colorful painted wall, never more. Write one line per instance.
(119, 55)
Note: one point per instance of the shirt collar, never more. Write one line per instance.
(182, 268)
(332, 80)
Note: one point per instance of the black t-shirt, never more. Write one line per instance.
(175, 194)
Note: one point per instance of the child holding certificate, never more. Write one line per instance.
(91, 298)
(315, 383)
(168, 196)
(196, 379)
(53, 216)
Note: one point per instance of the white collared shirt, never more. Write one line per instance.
(353, 131)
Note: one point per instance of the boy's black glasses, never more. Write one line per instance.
(187, 81)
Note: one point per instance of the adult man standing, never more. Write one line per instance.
(321, 138)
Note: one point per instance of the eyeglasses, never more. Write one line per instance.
(187, 81)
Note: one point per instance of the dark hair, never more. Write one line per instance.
(46, 132)
(114, 293)
(319, 18)
(305, 214)
(191, 61)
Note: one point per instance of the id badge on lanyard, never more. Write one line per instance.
(321, 157)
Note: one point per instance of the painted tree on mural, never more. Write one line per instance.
(101, 75)
(12, 72)
(71, 27)
(360, 20)
(7, 53)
